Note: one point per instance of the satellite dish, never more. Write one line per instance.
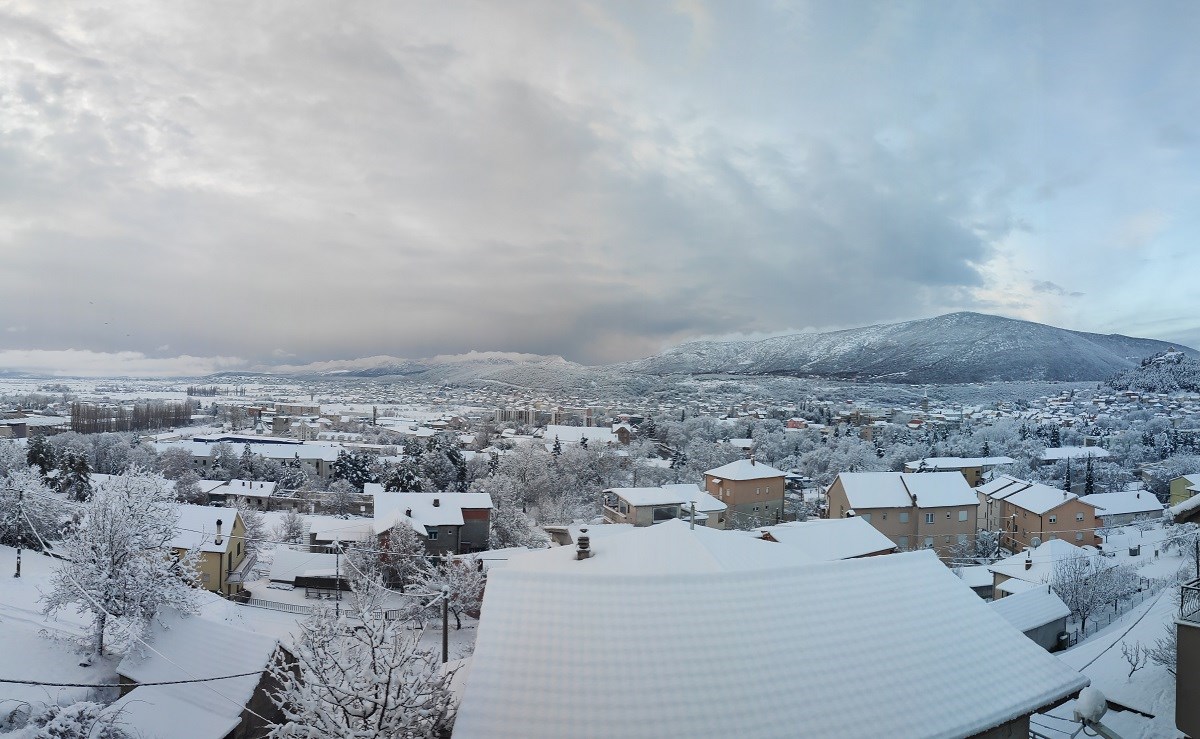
(1035, 542)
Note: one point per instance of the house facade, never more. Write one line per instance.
(648, 506)
(1029, 513)
(927, 510)
(1184, 487)
(454, 523)
(752, 491)
(220, 538)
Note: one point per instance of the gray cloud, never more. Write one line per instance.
(323, 181)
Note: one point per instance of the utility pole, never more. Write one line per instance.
(20, 534)
(337, 579)
(445, 623)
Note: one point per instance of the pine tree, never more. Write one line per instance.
(118, 563)
(557, 450)
(1067, 481)
(583, 442)
(1089, 478)
(75, 476)
(1055, 437)
(40, 454)
(987, 449)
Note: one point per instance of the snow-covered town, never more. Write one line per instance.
(774, 369)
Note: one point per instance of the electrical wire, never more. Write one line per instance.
(12, 681)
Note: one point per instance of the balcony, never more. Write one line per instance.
(1189, 601)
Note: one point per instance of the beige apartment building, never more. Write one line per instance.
(753, 491)
(1029, 513)
(928, 510)
(976, 470)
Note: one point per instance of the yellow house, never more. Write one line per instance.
(1183, 488)
(219, 535)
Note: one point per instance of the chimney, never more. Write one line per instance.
(436, 502)
(583, 545)
(408, 512)
(1028, 560)
(751, 459)
(217, 541)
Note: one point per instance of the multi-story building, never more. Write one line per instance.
(1029, 513)
(752, 490)
(928, 510)
(1187, 660)
(220, 537)
(648, 506)
(976, 470)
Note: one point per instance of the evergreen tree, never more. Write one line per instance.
(40, 454)
(75, 476)
(247, 466)
(583, 442)
(1089, 478)
(1067, 481)
(987, 449)
(1055, 437)
(557, 447)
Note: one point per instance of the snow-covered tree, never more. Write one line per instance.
(81, 720)
(74, 476)
(1086, 585)
(510, 525)
(118, 564)
(26, 506)
(256, 528)
(404, 477)
(39, 453)
(174, 462)
(187, 489)
(403, 557)
(463, 578)
(357, 469)
(290, 529)
(342, 499)
(373, 680)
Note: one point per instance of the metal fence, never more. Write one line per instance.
(276, 606)
(1106, 616)
(1189, 601)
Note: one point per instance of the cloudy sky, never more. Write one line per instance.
(187, 187)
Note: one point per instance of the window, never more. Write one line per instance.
(756, 508)
(758, 491)
(1078, 516)
(433, 534)
(903, 542)
(947, 538)
(928, 518)
(883, 515)
(1053, 519)
(962, 515)
(903, 516)
(866, 517)
(1078, 536)
(768, 490)
(928, 542)
(947, 515)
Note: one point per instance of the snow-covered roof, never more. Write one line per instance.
(1043, 558)
(939, 489)
(196, 528)
(745, 469)
(1002, 486)
(1032, 608)
(1124, 502)
(196, 647)
(955, 463)
(904, 489)
(288, 564)
(676, 494)
(448, 510)
(977, 576)
(1038, 498)
(667, 548)
(576, 649)
(1054, 454)
(826, 539)
(249, 488)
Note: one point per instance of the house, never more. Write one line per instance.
(317, 458)
(1187, 659)
(1037, 613)
(250, 493)
(1186, 512)
(220, 537)
(189, 647)
(671, 631)
(1029, 513)
(580, 435)
(1120, 508)
(317, 572)
(976, 470)
(825, 539)
(1184, 487)
(647, 506)
(753, 491)
(1032, 568)
(916, 510)
(1053, 455)
(458, 523)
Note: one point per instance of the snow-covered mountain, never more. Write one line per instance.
(954, 348)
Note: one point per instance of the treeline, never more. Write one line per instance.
(208, 391)
(88, 418)
(1165, 372)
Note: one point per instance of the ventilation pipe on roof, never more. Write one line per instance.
(408, 512)
(217, 541)
(751, 459)
(1028, 560)
(436, 502)
(850, 513)
(583, 545)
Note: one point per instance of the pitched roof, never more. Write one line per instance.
(572, 434)
(1032, 608)
(288, 564)
(576, 650)
(1124, 502)
(1038, 498)
(196, 528)
(671, 547)
(956, 463)
(826, 539)
(1073, 452)
(745, 469)
(447, 511)
(1002, 486)
(675, 494)
(906, 489)
(1043, 557)
(202, 647)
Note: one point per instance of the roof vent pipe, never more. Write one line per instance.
(583, 545)
(436, 502)
(217, 541)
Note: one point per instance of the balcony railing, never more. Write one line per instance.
(1189, 601)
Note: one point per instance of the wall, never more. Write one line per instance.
(743, 496)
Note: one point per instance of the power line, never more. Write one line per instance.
(125, 685)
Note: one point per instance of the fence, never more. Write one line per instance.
(392, 614)
(1106, 616)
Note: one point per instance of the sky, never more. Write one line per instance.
(192, 187)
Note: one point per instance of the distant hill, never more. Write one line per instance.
(1166, 372)
(954, 348)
